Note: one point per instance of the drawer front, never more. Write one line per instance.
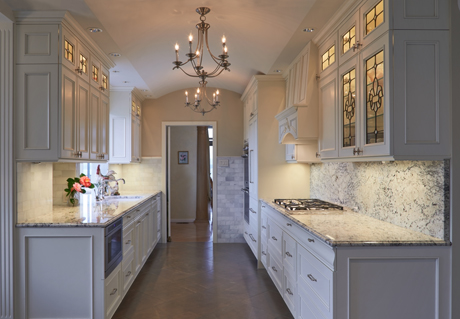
(306, 309)
(290, 291)
(275, 238)
(129, 217)
(253, 239)
(275, 270)
(316, 279)
(128, 240)
(289, 253)
(113, 291)
(128, 271)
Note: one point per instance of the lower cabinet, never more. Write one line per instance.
(67, 279)
(318, 281)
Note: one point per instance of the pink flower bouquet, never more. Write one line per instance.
(75, 185)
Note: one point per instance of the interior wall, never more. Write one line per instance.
(183, 176)
(170, 107)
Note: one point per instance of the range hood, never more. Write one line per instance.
(298, 125)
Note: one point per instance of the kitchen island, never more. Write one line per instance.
(79, 262)
(341, 264)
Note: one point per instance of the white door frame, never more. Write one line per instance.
(164, 127)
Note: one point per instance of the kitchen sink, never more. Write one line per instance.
(121, 197)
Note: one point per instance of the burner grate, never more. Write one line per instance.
(306, 204)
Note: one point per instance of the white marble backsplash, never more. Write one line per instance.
(230, 200)
(34, 189)
(411, 194)
(61, 172)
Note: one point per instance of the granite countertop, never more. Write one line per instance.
(88, 213)
(348, 228)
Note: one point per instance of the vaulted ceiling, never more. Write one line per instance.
(262, 36)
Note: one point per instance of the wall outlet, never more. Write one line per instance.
(223, 163)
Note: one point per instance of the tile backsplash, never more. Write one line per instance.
(144, 177)
(34, 189)
(411, 194)
(61, 172)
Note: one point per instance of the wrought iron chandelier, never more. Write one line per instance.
(196, 60)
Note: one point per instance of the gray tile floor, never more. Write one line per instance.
(201, 280)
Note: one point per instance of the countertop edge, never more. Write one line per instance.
(97, 225)
(335, 243)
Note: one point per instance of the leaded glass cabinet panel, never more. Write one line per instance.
(349, 105)
(375, 98)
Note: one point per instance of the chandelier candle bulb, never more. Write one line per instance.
(217, 96)
(177, 51)
(186, 97)
(214, 98)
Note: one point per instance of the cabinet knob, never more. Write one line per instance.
(289, 224)
(114, 291)
(264, 227)
(288, 254)
(318, 155)
(357, 46)
(274, 238)
(128, 274)
(357, 151)
(79, 71)
(264, 253)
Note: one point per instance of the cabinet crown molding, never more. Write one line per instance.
(260, 78)
(66, 19)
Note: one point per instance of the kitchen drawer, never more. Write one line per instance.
(275, 238)
(128, 240)
(289, 253)
(128, 271)
(306, 309)
(316, 279)
(253, 238)
(275, 270)
(129, 217)
(290, 291)
(113, 291)
(253, 220)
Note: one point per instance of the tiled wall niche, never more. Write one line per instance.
(411, 194)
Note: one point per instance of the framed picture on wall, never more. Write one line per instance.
(183, 157)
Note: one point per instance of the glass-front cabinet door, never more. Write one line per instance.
(375, 130)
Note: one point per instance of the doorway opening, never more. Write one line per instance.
(189, 154)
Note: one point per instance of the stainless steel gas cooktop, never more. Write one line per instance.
(306, 204)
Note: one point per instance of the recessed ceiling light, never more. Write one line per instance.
(308, 30)
(148, 96)
(115, 54)
(278, 71)
(144, 90)
(94, 30)
(125, 81)
(116, 71)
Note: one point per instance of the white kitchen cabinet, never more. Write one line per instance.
(99, 125)
(253, 158)
(325, 282)
(125, 125)
(302, 153)
(419, 15)
(391, 85)
(52, 97)
(113, 291)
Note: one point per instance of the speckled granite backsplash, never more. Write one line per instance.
(411, 194)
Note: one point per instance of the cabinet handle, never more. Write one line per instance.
(252, 237)
(289, 224)
(252, 211)
(114, 291)
(274, 269)
(292, 157)
(310, 276)
(318, 155)
(75, 154)
(356, 46)
(263, 206)
(288, 254)
(357, 151)
(128, 274)
(311, 240)
(246, 232)
(264, 253)
(274, 238)
(128, 242)
(289, 291)
(79, 71)
(264, 227)
(129, 216)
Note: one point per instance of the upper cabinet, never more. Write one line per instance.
(387, 97)
(125, 125)
(61, 107)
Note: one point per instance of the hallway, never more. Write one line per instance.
(188, 280)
